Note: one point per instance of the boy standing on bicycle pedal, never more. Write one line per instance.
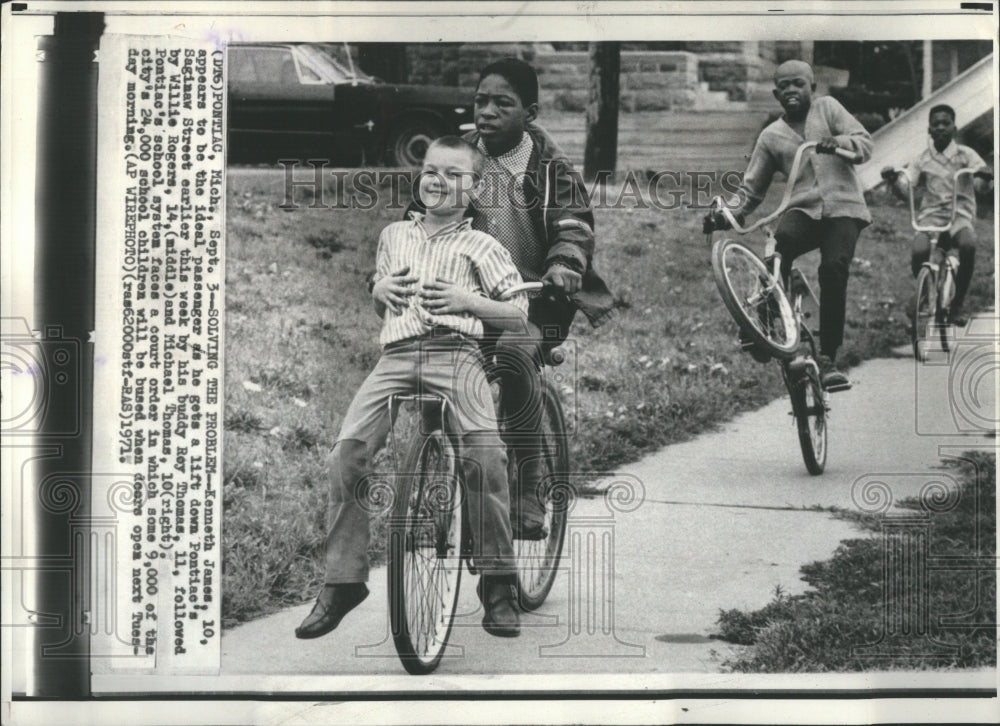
(827, 208)
(535, 203)
(934, 172)
(437, 282)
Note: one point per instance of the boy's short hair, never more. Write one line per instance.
(521, 77)
(456, 142)
(794, 65)
(943, 108)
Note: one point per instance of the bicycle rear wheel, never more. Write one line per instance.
(538, 560)
(808, 404)
(754, 298)
(925, 314)
(811, 422)
(425, 559)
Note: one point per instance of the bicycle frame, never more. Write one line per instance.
(937, 273)
(935, 232)
(800, 369)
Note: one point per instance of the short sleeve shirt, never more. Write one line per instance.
(935, 171)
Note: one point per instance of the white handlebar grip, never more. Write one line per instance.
(847, 155)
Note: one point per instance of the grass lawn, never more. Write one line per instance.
(301, 335)
(849, 602)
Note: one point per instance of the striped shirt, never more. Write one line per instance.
(935, 171)
(502, 201)
(457, 253)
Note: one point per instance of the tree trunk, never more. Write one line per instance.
(601, 149)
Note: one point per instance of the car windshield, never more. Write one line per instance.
(337, 55)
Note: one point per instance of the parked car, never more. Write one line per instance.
(295, 100)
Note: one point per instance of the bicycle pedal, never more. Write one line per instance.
(838, 389)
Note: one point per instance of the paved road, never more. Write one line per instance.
(723, 520)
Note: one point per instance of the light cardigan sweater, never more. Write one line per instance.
(827, 185)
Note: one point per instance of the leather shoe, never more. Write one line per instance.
(499, 597)
(333, 603)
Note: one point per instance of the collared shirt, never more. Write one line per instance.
(935, 171)
(502, 201)
(827, 186)
(457, 253)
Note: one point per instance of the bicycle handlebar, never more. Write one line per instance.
(954, 203)
(527, 287)
(793, 176)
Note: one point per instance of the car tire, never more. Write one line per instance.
(408, 143)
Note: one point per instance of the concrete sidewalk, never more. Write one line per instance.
(715, 523)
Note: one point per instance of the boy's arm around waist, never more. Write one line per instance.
(499, 314)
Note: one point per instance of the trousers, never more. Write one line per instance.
(836, 238)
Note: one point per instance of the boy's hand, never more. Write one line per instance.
(716, 221)
(567, 280)
(982, 182)
(395, 289)
(445, 298)
(827, 146)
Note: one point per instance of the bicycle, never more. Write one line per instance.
(936, 279)
(758, 299)
(429, 540)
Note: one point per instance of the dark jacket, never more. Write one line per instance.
(559, 207)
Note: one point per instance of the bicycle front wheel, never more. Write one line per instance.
(754, 298)
(925, 314)
(425, 558)
(538, 560)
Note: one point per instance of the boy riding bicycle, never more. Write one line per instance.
(934, 172)
(827, 208)
(437, 282)
(536, 205)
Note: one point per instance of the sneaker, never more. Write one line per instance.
(831, 378)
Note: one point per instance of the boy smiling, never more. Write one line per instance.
(437, 281)
(827, 209)
(934, 171)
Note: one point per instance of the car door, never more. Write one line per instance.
(278, 105)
